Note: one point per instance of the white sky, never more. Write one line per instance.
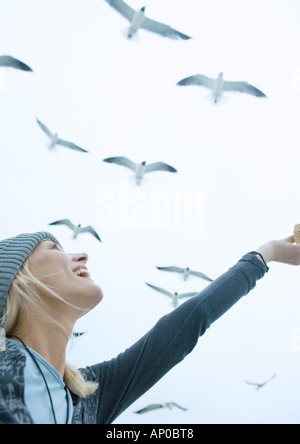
(237, 185)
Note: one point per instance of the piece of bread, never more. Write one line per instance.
(297, 234)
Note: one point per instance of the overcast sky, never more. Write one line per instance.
(237, 185)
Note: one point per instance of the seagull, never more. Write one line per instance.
(186, 272)
(174, 296)
(55, 140)
(77, 229)
(138, 20)
(10, 62)
(260, 386)
(168, 405)
(219, 85)
(78, 334)
(140, 168)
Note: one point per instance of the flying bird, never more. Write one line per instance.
(139, 20)
(55, 140)
(10, 62)
(77, 229)
(151, 407)
(174, 296)
(78, 334)
(260, 386)
(140, 168)
(186, 272)
(219, 85)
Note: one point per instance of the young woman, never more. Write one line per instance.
(43, 292)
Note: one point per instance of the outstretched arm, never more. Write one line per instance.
(127, 377)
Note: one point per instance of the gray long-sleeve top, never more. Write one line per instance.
(127, 377)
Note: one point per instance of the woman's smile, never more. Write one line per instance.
(82, 272)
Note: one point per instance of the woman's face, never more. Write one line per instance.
(66, 274)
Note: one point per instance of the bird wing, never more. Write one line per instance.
(271, 379)
(121, 160)
(243, 87)
(197, 79)
(188, 295)
(161, 290)
(252, 383)
(11, 62)
(91, 230)
(123, 8)
(159, 166)
(164, 30)
(174, 404)
(45, 128)
(66, 222)
(172, 268)
(201, 275)
(71, 145)
(149, 408)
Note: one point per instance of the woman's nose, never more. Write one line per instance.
(80, 257)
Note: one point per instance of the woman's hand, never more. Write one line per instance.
(284, 251)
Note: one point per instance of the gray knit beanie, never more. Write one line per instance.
(13, 253)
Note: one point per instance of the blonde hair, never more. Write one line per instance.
(23, 292)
